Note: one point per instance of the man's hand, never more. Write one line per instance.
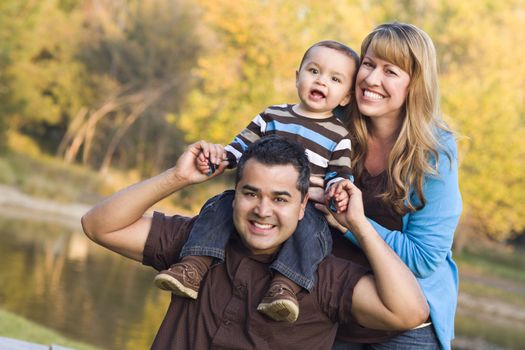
(210, 158)
(354, 216)
(189, 168)
(338, 199)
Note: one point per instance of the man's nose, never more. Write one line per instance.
(263, 208)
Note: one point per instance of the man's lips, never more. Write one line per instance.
(261, 226)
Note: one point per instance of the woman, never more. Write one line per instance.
(405, 164)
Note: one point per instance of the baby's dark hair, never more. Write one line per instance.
(277, 150)
(335, 45)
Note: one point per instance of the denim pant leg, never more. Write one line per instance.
(212, 229)
(339, 345)
(423, 338)
(305, 249)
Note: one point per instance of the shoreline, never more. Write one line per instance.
(16, 204)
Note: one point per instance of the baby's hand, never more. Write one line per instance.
(338, 198)
(201, 162)
(210, 158)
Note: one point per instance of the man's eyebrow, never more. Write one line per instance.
(281, 193)
(250, 188)
(274, 193)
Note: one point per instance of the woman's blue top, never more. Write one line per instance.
(425, 242)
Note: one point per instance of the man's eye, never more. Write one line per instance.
(281, 200)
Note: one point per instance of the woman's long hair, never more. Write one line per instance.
(412, 50)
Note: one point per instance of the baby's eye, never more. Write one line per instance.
(313, 70)
(336, 79)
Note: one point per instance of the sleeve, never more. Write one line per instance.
(165, 240)
(427, 235)
(337, 279)
(339, 165)
(254, 131)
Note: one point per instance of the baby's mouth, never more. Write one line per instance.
(317, 94)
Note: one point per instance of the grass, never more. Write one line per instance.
(503, 262)
(504, 336)
(44, 176)
(13, 326)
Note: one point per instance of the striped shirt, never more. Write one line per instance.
(326, 140)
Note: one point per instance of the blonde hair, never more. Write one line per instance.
(412, 50)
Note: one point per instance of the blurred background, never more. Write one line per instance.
(97, 94)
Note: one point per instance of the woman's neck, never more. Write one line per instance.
(381, 141)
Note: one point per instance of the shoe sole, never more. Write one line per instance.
(166, 282)
(280, 310)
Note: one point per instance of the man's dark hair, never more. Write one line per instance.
(277, 150)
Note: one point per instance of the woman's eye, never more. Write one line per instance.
(390, 71)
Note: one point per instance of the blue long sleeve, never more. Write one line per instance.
(427, 234)
(425, 242)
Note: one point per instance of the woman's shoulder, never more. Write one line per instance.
(447, 144)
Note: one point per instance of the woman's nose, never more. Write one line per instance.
(373, 77)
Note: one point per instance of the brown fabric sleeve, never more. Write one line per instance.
(165, 240)
(337, 279)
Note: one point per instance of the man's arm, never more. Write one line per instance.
(391, 299)
(119, 222)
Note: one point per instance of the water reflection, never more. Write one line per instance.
(52, 274)
(56, 277)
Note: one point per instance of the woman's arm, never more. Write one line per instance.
(428, 233)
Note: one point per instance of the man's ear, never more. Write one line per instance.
(296, 78)
(303, 206)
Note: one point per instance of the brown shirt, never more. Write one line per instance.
(225, 317)
(377, 210)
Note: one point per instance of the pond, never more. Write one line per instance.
(52, 274)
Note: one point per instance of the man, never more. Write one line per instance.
(270, 197)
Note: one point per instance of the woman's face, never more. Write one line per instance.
(381, 87)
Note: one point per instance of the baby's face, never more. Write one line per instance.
(324, 81)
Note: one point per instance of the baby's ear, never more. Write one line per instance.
(346, 100)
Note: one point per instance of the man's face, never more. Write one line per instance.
(267, 206)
